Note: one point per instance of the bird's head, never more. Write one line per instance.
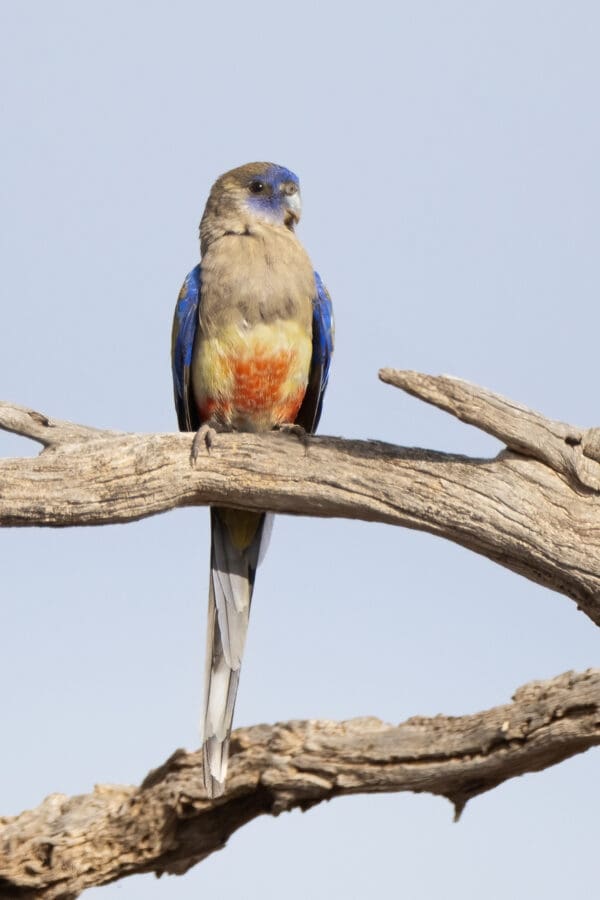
(261, 190)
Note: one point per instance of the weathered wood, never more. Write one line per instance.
(534, 509)
(527, 511)
(167, 825)
(565, 448)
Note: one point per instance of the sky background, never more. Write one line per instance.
(448, 153)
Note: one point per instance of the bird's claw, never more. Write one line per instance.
(297, 430)
(204, 437)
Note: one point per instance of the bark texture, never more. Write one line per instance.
(534, 509)
(167, 825)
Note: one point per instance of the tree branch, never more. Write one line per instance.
(167, 825)
(534, 511)
(565, 448)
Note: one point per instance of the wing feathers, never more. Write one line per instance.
(185, 326)
(322, 349)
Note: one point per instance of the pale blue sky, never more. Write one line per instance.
(448, 154)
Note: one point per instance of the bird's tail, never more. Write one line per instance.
(236, 538)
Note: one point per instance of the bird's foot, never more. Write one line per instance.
(297, 430)
(204, 438)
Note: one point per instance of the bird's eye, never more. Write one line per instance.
(256, 187)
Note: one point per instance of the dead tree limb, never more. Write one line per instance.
(167, 825)
(533, 509)
(565, 448)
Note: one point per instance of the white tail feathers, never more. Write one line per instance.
(230, 593)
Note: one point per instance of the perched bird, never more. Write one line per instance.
(251, 347)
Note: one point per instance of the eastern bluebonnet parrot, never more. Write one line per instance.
(251, 348)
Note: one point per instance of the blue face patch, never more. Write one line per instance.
(279, 174)
(271, 201)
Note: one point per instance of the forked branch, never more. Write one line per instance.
(534, 508)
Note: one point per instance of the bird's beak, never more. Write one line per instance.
(292, 204)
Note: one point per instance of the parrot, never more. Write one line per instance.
(251, 349)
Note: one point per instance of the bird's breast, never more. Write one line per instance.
(254, 345)
(253, 379)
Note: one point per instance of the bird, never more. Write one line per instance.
(252, 342)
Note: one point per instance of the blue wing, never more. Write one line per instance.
(185, 326)
(310, 411)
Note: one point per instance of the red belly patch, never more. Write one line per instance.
(261, 389)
